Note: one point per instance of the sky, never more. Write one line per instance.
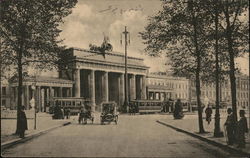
(92, 19)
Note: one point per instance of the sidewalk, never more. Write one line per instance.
(189, 125)
(44, 123)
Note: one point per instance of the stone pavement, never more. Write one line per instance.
(44, 122)
(189, 125)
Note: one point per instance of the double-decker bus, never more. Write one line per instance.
(74, 104)
(147, 106)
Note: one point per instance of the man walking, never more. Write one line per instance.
(208, 112)
(22, 125)
(230, 127)
(241, 130)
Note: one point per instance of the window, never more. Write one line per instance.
(3, 90)
(3, 102)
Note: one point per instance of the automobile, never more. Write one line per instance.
(109, 112)
(85, 114)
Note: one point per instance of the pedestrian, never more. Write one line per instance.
(241, 130)
(62, 113)
(171, 106)
(22, 123)
(133, 108)
(167, 106)
(229, 124)
(68, 113)
(208, 112)
(178, 109)
(130, 108)
(81, 113)
(56, 111)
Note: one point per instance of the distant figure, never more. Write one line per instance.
(241, 130)
(166, 106)
(62, 113)
(229, 124)
(133, 108)
(208, 112)
(67, 113)
(178, 110)
(171, 102)
(58, 114)
(22, 123)
(81, 115)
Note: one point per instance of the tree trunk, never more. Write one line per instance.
(0, 74)
(198, 92)
(197, 73)
(232, 64)
(198, 89)
(20, 89)
(1, 80)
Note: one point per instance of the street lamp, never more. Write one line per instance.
(217, 131)
(127, 41)
(33, 103)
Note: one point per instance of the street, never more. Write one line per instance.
(134, 136)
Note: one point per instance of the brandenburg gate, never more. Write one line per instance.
(101, 78)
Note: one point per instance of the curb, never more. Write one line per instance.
(220, 145)
(11, 143)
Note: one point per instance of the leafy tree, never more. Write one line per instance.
(5, 66)
(180, 31)
(236, 34)
(29, 31)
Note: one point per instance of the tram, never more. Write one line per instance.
(147, 106)
(74, 104)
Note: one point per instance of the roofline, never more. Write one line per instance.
(109, 53)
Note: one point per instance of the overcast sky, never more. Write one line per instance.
(91, 19)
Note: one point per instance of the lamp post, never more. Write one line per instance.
(217, 131)
(126, 33)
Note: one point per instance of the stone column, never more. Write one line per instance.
(23, 96)
(121, 89)
(60, 92)
(16, 96)
(105, 87)
(51, 95)
(77, 85)
(132, 88)
(38, 98)
(70, 92)
(143, 88)
(92, 89)
(27, 97)
(48, 97)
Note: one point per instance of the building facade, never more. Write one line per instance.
(100, 78)
(43, 89)
(162, 86)
(5, 95)
(208, 91)
(89, 75)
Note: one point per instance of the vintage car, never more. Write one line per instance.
(109, 112)
(85, 114)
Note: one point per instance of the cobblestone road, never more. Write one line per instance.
(134, 136)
